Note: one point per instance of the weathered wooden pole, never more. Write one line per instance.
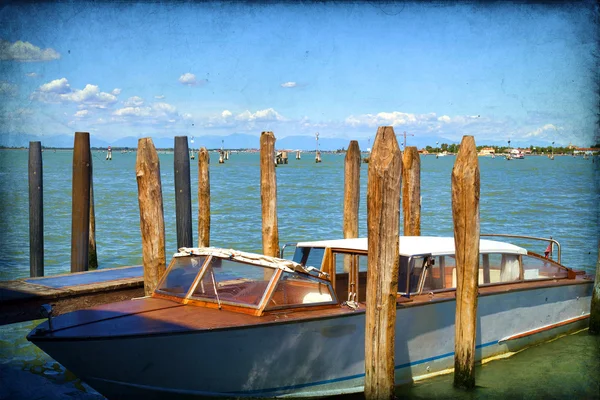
(80, 225)
(411, 191)
(92, 253)
(351, 194)
(465, 214)
(595, 307)
(152, 221)
(268, 195)
(183, 193)
(383, 218)
(36, 211)
(203, 198)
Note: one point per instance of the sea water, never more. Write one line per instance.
(535, 196)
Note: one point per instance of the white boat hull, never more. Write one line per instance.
(313, 357)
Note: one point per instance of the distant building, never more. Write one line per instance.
(487, 151)
(583, 150)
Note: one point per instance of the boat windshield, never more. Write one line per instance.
(233, 282)
(181, 274)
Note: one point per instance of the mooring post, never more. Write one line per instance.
(80, 225)
(36, 211)
(203, 198)
(183, 193)
(383, 218)
(92, 253)
(411, 191)
(595, 307)
(351, 194)
(465, 215)
(268, 195)
(152, 220)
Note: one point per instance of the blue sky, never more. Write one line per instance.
(521, 72)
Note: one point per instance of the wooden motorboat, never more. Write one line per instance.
(224, 323)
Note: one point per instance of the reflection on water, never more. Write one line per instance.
(28, 372)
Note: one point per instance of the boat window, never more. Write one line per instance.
(493, 268)
(233, 282)
(294, 289)
(362, 262)
(181, 275)
(309, 256)
(541, 268)
(432, 280)
(403, 275)
(498, 268)
(342, 262)
(509, 268)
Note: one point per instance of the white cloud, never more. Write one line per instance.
(81, 114)
(395, 118)
(134, 101)
(188, 79)
(25, 51)
(540, 132)
(155, 114)
(159, 97)
(243, 120)
(262, 115)
(58, 86)
(116, 91)
(31, 75)
(7, 89)
(288, 84)
(59, 91)
(445, 118)
(133, 112)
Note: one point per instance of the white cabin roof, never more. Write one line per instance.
(414, 245)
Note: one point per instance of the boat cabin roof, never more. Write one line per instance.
(415, 245)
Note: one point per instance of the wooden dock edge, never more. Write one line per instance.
(21, 301)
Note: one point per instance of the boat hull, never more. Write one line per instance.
(313, 357)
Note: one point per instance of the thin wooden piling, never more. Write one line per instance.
(152, 222)
(465, 214)
(297, 154)
(92, 252)
(383, 218)
(203, 198)
(411, 191)
(351, 194)
(36, 211)
(595, 307)
(80, 225)
(268, 195)
(183, 193)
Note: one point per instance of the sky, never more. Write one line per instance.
(521, 72)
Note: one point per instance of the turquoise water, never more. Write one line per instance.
(535, 196)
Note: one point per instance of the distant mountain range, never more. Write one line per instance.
(233, 141)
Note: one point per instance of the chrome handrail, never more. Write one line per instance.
(527, 237)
